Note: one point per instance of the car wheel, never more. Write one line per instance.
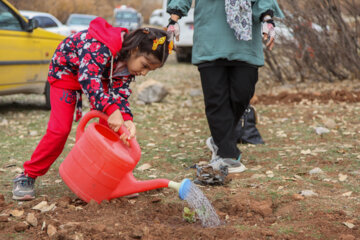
(47, 95)
(183, 54)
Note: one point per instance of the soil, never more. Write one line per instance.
(157, 214)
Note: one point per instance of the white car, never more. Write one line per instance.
(47, 22)
(78, 22)
(156, 17)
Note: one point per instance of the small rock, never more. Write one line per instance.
(316, 171)
(51, 230)
(137, 234)
(20, 227)
(263, 207)
(31, 219)
(346, 237)
(297, 197)
(195, 92)
(99, 227)
(151, 91)
(144, 167)
(308, 193)
(321, 130)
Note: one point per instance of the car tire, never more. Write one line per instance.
(183, 54)
(47, 96)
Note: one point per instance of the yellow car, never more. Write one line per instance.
(25, 53)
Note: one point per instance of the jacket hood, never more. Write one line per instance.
(102, 31)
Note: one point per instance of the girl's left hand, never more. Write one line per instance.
(132, 130)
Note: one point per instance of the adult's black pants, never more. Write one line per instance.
(227, 89)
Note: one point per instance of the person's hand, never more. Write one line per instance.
(115, 120)
(173, 27)
(268, 31)
(132, 130)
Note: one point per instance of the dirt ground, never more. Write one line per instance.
(265, 202)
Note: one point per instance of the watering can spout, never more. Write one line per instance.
(130, 185)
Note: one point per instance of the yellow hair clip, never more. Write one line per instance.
(171, 46)
(158, 42)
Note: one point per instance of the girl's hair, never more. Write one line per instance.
(142, 39)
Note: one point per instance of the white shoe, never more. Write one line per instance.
(234, 166)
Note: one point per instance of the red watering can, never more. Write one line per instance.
(99, 166)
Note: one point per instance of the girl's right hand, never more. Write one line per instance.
(115, 120)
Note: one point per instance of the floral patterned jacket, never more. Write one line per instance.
(83, 62)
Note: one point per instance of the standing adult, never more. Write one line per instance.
(228, 51)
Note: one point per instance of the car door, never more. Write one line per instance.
(22, 62)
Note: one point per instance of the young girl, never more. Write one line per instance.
(101, 62)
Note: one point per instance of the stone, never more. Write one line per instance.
(297, 197)
(263, 208)
(346, 237)
(321, 130)
(31, 219)
(308, 193)
(316, 171)
(51, 230)
(20, 227)
(151, 91)
(195, 92)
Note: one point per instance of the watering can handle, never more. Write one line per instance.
(97, 114)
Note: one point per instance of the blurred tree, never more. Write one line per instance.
(105, 8)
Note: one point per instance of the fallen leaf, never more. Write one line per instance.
(342, 177)
(349, 225)
(144, 167)
(347, 194)
(17, 213)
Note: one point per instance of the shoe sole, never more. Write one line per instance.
(240, 169)
(23, 198)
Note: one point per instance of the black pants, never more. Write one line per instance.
(228, 87)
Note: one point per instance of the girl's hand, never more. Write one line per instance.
(115, 120)
(132, 130)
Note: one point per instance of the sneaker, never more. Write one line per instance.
(212, 146)
(234, 166)
(23, 188)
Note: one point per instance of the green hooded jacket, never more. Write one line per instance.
(213, 37)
